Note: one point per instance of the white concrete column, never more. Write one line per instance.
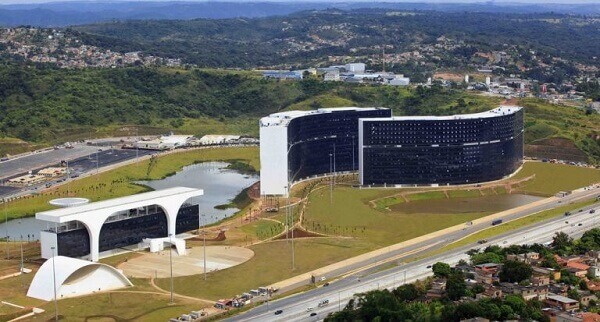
(171, 208)
(94, 243)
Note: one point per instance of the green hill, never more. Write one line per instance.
(47, 106)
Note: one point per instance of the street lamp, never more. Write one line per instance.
(171, 263)
(330, 180)
(54, 285)
(204, 246)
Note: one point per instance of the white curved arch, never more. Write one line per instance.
(94, 214)
(74, 277)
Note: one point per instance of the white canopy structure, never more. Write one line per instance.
(74, 277)
(95, 214)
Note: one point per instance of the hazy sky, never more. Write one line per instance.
(427, 1)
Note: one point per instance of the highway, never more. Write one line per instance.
(340, 291)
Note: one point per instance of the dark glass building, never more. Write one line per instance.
(443, 150)
(125, 229)
(296, 145)
(325, 142)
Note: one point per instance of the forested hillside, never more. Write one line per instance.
(50, 105)
(47, 106)
(310, 37)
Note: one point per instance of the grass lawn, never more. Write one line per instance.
(262, 228)
(271, 263)
(117, 182)
(117, 306)
(351, 215)
(551, 178)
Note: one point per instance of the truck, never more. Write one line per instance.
(496, 222)
(323, 303)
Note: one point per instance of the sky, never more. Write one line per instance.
(423, 1)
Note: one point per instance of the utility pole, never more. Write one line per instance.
(204, 246)
(330, 179)
(171, 263)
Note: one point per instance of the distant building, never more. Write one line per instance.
(399, 81)
(562, 302)
(332, 76)
(283, 74)
(355, 67)
(167, 142)
(217, 139)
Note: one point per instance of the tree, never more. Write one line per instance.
(441, 269)
(550, 262)
(456, 286)
(517, 303)
(407, 293)
(483, 258)
(562, 242)
(515, 272)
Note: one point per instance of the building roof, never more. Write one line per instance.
(499, 111)
(562, 299)
(71, 213)
(284, 118)
(577, 265)
(74, 277)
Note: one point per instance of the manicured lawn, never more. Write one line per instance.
(551, 178)
(351, 215)
(262, 229)
(118, 306)
(271, 263)
(426, 195)
(117, 182)
(473, 193)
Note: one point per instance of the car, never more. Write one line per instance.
(566, 222)
(428, 266)
(592, 211)
(323, 278)
(482, 241)
(580, 224)
(313, 314)
(326, 284)
(308, 309)
(278, 312)
(580, 210)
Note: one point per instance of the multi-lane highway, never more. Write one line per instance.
(339, 292)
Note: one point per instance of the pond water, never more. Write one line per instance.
(484, 204)
(220, 186)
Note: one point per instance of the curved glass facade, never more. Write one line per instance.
(444, 150)
(125, 232)
(313, 138)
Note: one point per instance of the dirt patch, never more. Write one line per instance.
(555, 148)
(299, 233)
(449, 76)
(220, 237)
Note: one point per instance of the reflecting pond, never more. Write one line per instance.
(220, 186)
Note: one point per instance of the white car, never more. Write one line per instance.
(308, 309)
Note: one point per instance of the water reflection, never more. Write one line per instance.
(219, 183)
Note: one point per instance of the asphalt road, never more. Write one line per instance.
(82, 158)
(428, 245)
(23, 163)
(339, 292)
